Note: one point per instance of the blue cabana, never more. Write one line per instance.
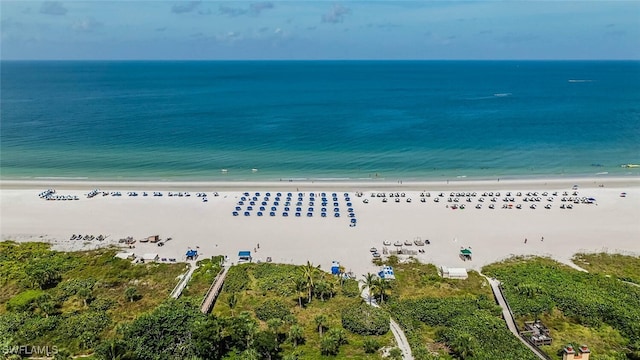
(335, 268)
(191, 254)
(244, 256)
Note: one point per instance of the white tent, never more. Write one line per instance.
(150, 257)
(454, 273)
(125, 255)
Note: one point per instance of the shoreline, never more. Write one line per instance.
(309, 185)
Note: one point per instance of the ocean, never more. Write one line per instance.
(273, 120)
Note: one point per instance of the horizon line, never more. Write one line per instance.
(317, 60)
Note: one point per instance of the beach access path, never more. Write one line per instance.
(214, 291)
(182, 284)
(508, 317)
(396, 330)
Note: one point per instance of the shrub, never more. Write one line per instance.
(102, 304)
(395, 354)
(44, 274)
(365, 320)
(350, 288)
(371, 345)
(24, 300)
(272, 309)
(237, 279)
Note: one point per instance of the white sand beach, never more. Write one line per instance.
(610, 224)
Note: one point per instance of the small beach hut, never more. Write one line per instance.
(244, 256)
(150, 257)
(453, 273)
(191, 254)
(153, 238)
(335, 268)
(387, 273)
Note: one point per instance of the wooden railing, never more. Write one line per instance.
(213, 292)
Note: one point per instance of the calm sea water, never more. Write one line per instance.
(318, 120)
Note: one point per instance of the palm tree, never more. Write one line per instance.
(308, 272)
(464, 346)
(232, 300)
(84, 294)
(274, 325)
(321, 322)
(333, 284)
(132, 294)
(341, 271)
(296, 335)
(370, 283)
(322, 288)
(381, 285)
(299, 286)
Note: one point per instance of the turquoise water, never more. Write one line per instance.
(318, 120)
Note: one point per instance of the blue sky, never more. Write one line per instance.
(320, 29)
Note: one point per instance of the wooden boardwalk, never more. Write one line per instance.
(177, 291)
(214, 291)
(508, 317)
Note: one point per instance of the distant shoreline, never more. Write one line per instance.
(346, 184)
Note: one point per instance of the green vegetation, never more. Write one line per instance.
(203, 277)
(626, 268)
(92, 303)
(298, 310)
(365, 320)
(578, 307)
(73, 300)
(445, 317)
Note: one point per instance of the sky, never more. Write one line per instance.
(273, 30)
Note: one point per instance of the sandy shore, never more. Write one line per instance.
(610, 224)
